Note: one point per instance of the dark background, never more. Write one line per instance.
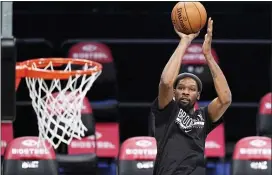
(246, 66)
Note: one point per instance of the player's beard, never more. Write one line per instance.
(187, 107)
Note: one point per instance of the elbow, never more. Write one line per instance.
(227, 100)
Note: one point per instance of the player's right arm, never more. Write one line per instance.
(171, 70)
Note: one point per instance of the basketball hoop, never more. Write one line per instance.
(58, 104)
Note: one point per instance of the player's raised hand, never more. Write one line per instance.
(189, 37)
(206, 47)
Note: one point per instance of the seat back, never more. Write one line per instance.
(264, 117)
(137, 156)
(215, 143)
(100, 53)
(106, 141)
(23, 156)
(6, 136)
(252, 156)
(105, 104)
(215, 151)
(194, 62)
(87, 117)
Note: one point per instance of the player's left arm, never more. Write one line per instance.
(220, 104)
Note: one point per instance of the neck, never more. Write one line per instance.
(187, 109)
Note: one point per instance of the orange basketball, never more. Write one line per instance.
(189, 17)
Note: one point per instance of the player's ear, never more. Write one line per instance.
(198, 95)
(174, 94)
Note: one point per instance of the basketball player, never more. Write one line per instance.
(180, 131)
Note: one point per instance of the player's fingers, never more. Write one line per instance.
(209, 32)
(208, 39)
(211, 26)
(208, 36)
(209, 22)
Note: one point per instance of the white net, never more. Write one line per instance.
(58, 104)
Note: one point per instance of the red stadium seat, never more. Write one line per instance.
(23, 156)
(6, 136)
(194, 62)
(104, 104)
(215, 150)
(215, 143)
(106, 142)
(264, 117)
(137, 156)
(96, 52)
(252, 156)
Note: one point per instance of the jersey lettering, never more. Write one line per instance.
(187, 123)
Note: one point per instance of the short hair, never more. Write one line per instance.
(190, 75)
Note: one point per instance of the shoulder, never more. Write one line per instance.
(162, 116)
(155, 106)
(210, 125)
(203, 111)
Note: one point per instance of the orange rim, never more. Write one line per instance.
(24, 69)
(19, 73)
(17, 82)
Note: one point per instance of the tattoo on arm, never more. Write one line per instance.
(213, 74)
(214, 69)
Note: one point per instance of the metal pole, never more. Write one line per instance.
(7, 44)
(1, 16)
(6, 32)
(6, 19)
(165, 41)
